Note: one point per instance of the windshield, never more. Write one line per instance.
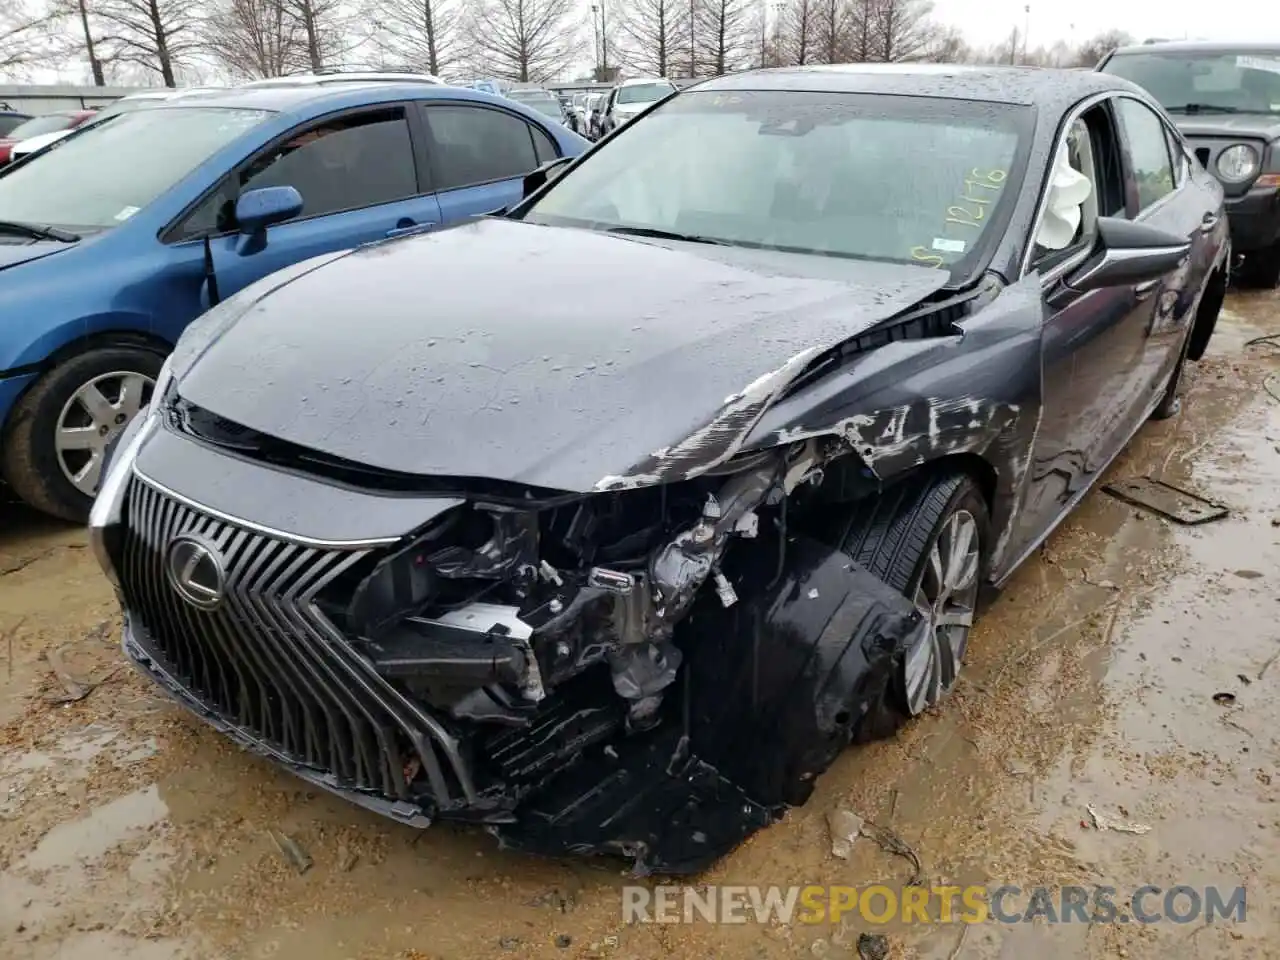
(542, 102)
(38, 125)
(1193, 82)
(109, 171)
(644, 92)
(901, 179)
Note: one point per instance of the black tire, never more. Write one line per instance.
(29, 458)
(1261, 268)
(891, 535)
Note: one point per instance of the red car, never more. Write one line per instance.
(49, 123)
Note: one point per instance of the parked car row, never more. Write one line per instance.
(116, 237)
(614, 566)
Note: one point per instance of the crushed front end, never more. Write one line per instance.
(651, 672)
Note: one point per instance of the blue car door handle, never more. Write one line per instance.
(403, 228)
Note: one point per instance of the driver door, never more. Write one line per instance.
(360, 181)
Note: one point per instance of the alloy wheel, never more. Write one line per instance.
(945, 598)
(94, 416)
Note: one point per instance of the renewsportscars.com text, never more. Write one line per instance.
(940, 904)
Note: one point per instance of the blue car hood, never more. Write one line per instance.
(12, 254)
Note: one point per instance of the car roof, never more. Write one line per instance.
(637, 81)
(325, 79)
(996, 84)
(1200, 46)
(318, 98)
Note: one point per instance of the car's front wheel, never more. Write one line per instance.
(56, 441)
(926, 538)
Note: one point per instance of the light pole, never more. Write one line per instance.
(595, 30)
(1026, 33)
(604, 41)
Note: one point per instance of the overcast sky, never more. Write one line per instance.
(985, 22)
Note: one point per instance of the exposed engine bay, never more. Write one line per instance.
(606, 663)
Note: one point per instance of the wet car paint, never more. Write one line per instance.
(749, 358)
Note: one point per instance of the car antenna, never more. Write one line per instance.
(210, 276)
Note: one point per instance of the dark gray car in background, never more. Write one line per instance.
(621, 566)
(1225, 99)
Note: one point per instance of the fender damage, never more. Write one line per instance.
(655, 666)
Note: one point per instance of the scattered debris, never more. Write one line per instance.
(1104, 584)
(820, 948)
(8, 639)
(873, 946)
(1103, 822)
(291, 850)
(1248, 574)
(1243, 679)
(554, 898)
(1158, 496)
(509, 943)
(13, 566)
(845, 826)
(75, 690)
(1224, 699)
(1270, 660)
(347, 859)
(890, 842)
(563, 940)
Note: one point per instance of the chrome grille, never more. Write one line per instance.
(267, 659)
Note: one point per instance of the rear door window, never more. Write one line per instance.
(473, 145)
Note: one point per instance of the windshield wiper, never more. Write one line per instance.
(37, 233)
(1202, 108)
(657, 234)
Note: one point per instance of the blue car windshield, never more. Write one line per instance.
(105, 174)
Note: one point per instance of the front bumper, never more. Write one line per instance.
(1254, 220)
(135, 643)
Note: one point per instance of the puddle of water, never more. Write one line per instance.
(87, 839)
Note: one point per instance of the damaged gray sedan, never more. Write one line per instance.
(618, 561)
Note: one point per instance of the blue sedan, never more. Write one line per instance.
(113, 240)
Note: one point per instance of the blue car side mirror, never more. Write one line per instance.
(258, 209)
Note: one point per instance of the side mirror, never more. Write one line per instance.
(1129, 253)
(534, 181)
(258, 209)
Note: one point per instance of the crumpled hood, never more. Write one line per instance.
(12, 254)
(1264, 125)
(483, 351)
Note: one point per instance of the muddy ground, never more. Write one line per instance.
(129, 830)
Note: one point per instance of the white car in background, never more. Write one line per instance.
(631, 98)
(130, 102)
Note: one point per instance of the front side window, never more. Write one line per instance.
(9, 124)
(900, 179)
(644, 92)
(472, 145)
(108, 172)
(1190, 82)
(344, 164)
(1148, 142)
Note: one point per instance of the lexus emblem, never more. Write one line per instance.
(195, 570)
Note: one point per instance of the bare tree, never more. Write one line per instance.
(523, 40)
(860, 44)
(832, 23)
(256, 38)
(798, 24)
(902, 29)
(725, 32)
(947, 45)
(422, 34)
(652, 34)
(158, 35)
(1093, 50)
(28, 35)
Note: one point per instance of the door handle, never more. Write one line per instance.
(1209, 222)
(1144, 290)
(411, 228)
